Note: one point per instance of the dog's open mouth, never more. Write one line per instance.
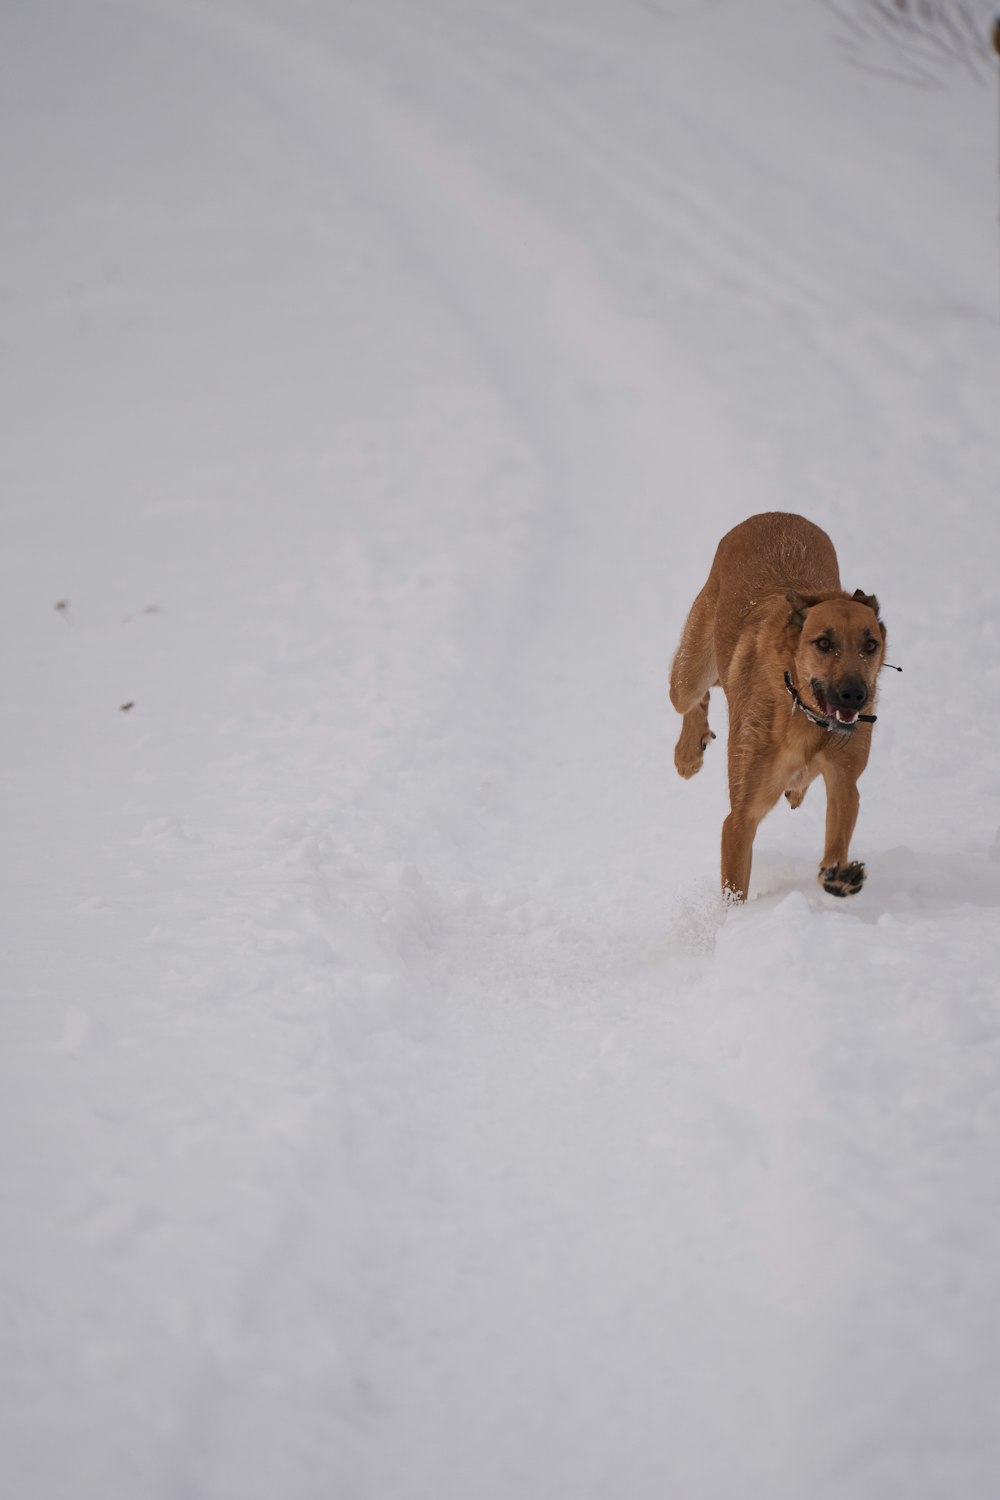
(844, 718)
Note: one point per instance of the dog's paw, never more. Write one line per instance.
(689, 761)
(843, 880)
(794, 798)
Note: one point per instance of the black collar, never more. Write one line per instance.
(822, 721)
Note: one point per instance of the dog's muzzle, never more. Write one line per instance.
(841, 702)
(826, 715)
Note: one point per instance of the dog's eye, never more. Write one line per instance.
(870, 647)
(824, 643)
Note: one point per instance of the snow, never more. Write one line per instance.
(390, 1106)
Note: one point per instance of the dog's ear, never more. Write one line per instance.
(868, 599)
(800, 604)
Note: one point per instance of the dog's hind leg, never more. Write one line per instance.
(693, 672)
(798, 784)
(738, 833)
(757, 778)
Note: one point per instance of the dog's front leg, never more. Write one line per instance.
(694, 739)
(836, 874)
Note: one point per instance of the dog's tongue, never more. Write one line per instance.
(845, 716)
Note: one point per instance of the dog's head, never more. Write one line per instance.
(839, 644)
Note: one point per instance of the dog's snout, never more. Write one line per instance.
(851, 693)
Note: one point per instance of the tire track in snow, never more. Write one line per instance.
(676, 208)
(620, 437)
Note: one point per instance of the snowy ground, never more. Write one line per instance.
(388, 1109)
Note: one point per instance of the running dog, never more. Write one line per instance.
(798, 660)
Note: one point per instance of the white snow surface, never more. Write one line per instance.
(390, 1109)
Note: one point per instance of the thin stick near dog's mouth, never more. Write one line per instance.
(842, 718)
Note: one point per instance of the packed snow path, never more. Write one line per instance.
(388, 1108)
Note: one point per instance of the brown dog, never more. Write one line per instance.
(798, 660)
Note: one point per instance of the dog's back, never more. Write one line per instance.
(767, 554)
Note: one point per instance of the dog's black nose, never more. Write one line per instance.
(851, 693)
